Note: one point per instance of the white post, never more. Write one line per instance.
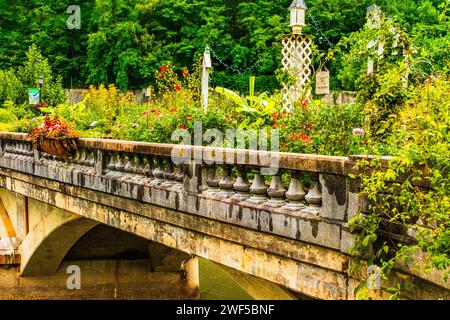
(374, 22)
(206, 69)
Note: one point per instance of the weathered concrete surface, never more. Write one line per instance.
(10, 204)
(259, 254)
(257, 288)
(46, 245)
(256, 253)
(323, 230)
(7, 229)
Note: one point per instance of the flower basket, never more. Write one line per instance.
(64, 148)
(55, 137)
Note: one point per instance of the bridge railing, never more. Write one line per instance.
(214, 172)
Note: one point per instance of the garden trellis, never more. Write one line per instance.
(296, 59)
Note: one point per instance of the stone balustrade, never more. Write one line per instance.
(303, 197)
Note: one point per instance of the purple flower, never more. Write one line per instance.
(358, 132)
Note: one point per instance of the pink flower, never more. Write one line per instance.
(358, 132)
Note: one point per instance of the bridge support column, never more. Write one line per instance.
(192, 276)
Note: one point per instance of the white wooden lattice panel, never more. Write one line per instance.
(297, 61)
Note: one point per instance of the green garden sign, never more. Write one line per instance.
(33, 96)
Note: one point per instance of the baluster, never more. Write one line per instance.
(83, 157)
(6, 146)
(112, 161)
(129, 166)
(242, 187)
(314, 197)
(226, 183)
(169, 174)
(258, 188)
(179, 176)
(120, 164)
(295, 194)
(148, 169)
(30, 149)
(91, 158)
(276, 192)
(139, 167)
(75, 157)
(14, 150)
(212, 182)
(158, 173)
(19, 148)
(23, 148)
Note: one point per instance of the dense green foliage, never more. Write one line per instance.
(123, 42)
(412, 190)
(14, 82)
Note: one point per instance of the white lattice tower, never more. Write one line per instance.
(297, 62)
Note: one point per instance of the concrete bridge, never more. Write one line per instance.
(135, 223)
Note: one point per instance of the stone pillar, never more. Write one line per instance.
(192, 277)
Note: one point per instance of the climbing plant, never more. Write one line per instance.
(411, 191)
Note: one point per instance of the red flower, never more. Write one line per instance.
(230, 123)
(304, 104)
(173, 110)
(185, 72)
(160, 75)
(178, 87)
(182, 127)
(163, 68)
(305, 138)
(227, 116)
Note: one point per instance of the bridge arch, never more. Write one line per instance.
(49, 240)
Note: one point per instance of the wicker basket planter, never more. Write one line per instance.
(64, 148)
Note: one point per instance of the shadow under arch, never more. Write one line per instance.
(45, 247)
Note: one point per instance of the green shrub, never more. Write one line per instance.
(7, 117)
(319, 128)
(420, 143)
(240, 83)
